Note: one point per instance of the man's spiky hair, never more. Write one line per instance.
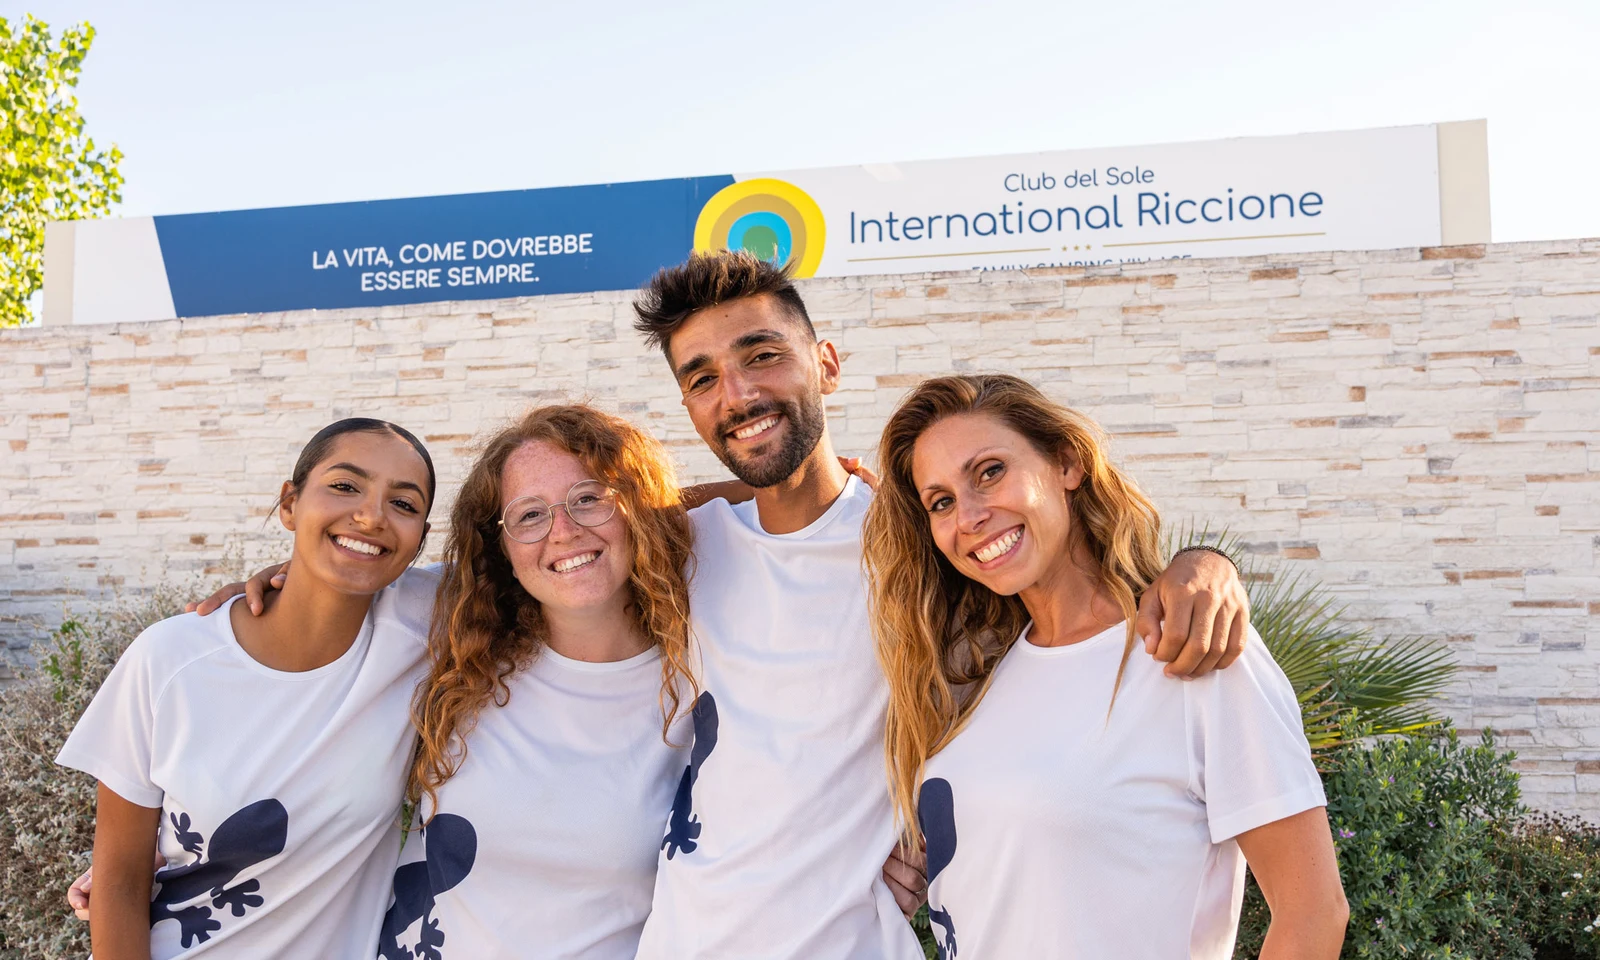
(707, 280)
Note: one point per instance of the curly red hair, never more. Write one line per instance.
(486, 626)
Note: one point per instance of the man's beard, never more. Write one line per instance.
(806, 419)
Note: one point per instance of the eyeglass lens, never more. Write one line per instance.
(589, 503)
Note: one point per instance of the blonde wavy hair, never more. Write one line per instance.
(486, 626)
(939, 634)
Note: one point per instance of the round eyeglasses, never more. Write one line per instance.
(529, 519)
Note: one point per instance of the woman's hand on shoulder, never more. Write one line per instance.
(856, 468)
(255, 591)
(733, 491)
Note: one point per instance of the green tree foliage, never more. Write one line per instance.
(49, 168)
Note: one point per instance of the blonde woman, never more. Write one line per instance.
(1075, 803)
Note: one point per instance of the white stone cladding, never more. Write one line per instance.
(1418, 429)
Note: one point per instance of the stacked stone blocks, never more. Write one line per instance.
(1415, 428)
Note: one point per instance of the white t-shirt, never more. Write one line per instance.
(1054, 831)
(546, 839)
(781, 822)
(279, 792)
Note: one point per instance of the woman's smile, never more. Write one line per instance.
(998, 549)
(575, 562)
(358, 548)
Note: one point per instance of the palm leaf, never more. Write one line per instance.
(1344, 676)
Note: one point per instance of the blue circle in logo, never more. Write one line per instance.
(764, 234)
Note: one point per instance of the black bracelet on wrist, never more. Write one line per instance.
(1209, 549)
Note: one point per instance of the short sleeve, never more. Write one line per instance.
(112, 741)
(1249, 760)
(409, 600)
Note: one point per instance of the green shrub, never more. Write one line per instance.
(1549, 868)
(1415, 821)
(924, 932)
(46, 811)
(1440, 860)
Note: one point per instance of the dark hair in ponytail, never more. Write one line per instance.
(316, 449)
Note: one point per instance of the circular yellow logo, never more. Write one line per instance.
(772, 219)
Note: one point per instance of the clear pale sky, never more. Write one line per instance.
(232, 105)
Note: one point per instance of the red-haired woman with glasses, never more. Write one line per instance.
(550, 735)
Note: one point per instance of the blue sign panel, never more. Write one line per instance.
(479, 246)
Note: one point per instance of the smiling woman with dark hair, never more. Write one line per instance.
(266, 755)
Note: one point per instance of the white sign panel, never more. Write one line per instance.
(1361, 190)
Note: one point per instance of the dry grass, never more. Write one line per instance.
(46, 811)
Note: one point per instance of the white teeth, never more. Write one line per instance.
(991, 550)
(573, 563)
(358, 546)
(745, 433)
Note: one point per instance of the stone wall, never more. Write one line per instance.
(1416, 428)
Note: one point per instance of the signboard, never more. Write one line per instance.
(1368, 189)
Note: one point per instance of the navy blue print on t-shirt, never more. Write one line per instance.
(450, 846)
(248, 837)
(683, 827)
(936, 814)
(187, 839)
